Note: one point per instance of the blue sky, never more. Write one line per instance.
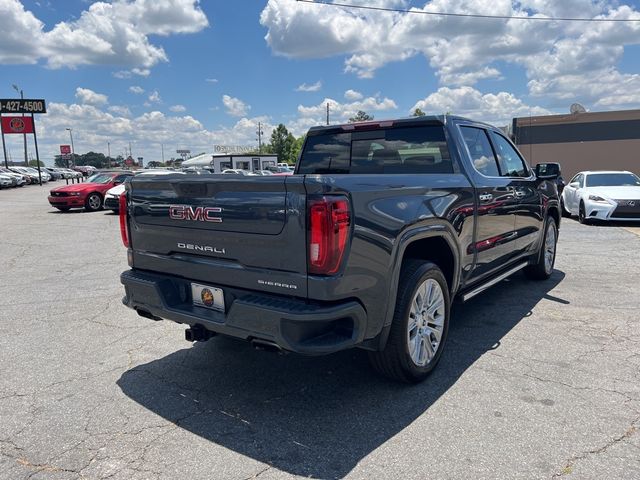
(188, 74)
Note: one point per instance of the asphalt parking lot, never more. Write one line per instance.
(539, 380)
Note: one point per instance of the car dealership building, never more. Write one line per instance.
(581, 141)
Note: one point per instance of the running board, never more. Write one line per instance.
(491, 283)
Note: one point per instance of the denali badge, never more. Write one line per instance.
(201, 248)
(200, 214)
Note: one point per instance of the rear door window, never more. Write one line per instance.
(482, 157)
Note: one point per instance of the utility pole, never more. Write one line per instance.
(73, 149)
(108, 155)
(130, 152)
(327, 113)
(24, 135)
(162, 147)
(259, 132)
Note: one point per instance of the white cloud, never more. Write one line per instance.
(561, 60)
(211, 80)
(120, 110)
(352, 95)
(89, 97)
(339, 112)
(154, 97)
(498, 109)
(313, 87)
(178, 108)
(136, 89)
(235, 107)
(114, 33)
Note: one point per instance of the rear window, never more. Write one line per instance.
(395, 150)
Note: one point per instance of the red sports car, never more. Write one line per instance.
(88, 195)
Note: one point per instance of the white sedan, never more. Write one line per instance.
(602, 195)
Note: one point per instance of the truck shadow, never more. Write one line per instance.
(319, 416)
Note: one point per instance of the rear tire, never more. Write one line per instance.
(93, 202)
(419, 327)
(546, 258)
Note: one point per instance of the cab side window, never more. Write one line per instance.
(510, 162)
(480, 150)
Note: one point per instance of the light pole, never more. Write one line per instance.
(108, 155)
(24, 135)
(73, 150)
(260, 133)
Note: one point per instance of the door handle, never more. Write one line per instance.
(519, 194)
(486, 197)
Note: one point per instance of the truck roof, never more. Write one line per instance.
(407, 121)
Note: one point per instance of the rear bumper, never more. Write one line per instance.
(294, 325)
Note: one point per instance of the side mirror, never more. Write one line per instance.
(117, 182)
(575, 185)
(547, 171)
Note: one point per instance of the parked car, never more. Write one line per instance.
(21, 179)
(88, 195)
(32, 173)
(112, 196)
(55, 174)
(383, 225)
(237, 171)
(69, 174)
(602, 195)
(262, 173)
(6, 181)
(85, 170)
(280, 169)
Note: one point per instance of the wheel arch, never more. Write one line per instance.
(433, 243)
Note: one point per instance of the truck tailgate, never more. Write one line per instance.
(222, 230)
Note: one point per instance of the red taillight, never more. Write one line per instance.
(329, 221)
(124, 225)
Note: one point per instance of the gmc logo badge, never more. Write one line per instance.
(198, 214)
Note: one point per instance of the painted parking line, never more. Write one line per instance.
(635, 230)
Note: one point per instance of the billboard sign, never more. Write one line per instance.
(22, 105)
(65, 149)
(19, 125)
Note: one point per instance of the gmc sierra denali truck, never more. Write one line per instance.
(366, 245)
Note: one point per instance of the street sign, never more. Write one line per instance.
(19, 125)
(65, 149)
(18, 105)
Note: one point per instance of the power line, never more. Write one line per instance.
(469, 15)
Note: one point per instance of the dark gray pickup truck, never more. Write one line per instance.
(366, 245)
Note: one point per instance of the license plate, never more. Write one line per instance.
(207, 296)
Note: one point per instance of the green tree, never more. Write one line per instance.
(282, 142)
(361, 117)
(34, 163)
(418, 113)
(295, 151)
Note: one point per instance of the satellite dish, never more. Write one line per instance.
(577, 108)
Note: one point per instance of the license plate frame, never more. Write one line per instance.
(207, 296)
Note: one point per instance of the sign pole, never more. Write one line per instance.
(35, 141)
(4, 148)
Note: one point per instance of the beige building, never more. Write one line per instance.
(581, 141)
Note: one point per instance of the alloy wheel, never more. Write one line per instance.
(426, 322)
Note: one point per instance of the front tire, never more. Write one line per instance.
(93, 202)
(582, 214)
(563, 209)
(419, 327)
(546, 259)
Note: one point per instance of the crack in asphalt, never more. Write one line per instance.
(569, 465)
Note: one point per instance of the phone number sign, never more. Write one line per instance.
(13, 105)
